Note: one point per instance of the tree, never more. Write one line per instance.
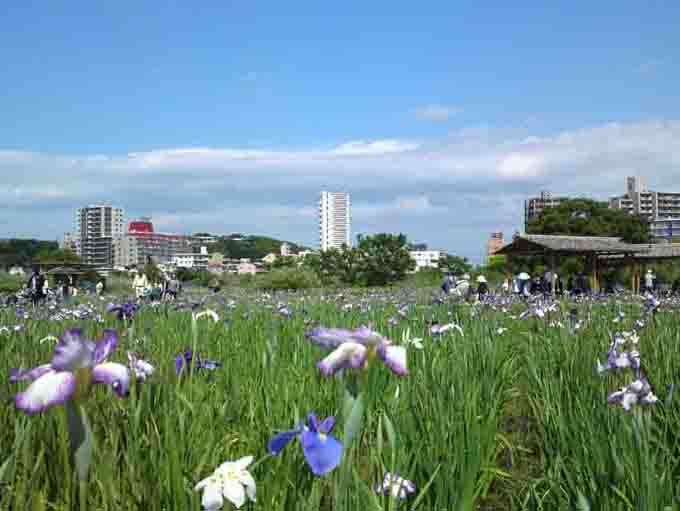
(60, 255)
(384, 259)
(585, 217)
(455, 264)
(152, 272)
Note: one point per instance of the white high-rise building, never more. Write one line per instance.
(97, 227)
(334, 220)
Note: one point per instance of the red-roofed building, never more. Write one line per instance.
(141, 242)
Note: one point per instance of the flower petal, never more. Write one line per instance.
(106, 346)
(52, 388)
(234, 492)
(212, 497)
(16, 375)
(116, 375)
(327, 425)
(394, 357)
(329, 338)
(72, 351)
(347, 355)
(322, 452)
(281, 440)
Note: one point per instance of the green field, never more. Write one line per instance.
(486, 421)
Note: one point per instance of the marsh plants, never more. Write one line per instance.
(377, 400)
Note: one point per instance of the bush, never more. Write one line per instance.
(287, 278)
(10, 283)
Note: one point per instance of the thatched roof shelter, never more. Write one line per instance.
(540, 244)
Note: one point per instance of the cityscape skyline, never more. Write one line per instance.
(440, 121)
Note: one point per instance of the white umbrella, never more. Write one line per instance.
(524, 276)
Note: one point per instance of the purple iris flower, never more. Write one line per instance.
(322, 451)
(350, 349)
(76, 363)
(185, 359)
(124, 311)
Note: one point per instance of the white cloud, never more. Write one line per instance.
(437, 112)
(450, 192)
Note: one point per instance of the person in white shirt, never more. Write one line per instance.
(140, 283)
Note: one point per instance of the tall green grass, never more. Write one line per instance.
(445, 426)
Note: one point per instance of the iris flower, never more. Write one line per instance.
(638, 392)
(395, 486)
(322, 451)
(124, 311)
(184, 360)
(352, 348)
(76, 364)
(141, 369)
(232, 481)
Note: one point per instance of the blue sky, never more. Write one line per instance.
(456, 108)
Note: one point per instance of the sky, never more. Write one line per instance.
(439, 118)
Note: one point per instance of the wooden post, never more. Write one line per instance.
(552, 272)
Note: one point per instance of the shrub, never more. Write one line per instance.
(287, 278)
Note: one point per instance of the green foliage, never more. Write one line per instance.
(288, 278)
(20, 252)
(455, 264)
(250, 247)
(585, 217)
(284, 262)
(378, 260)
(10, 283)
(425, 278)
(152, 272)
(385, 258)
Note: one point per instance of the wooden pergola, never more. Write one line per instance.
(596, 250)
(645, 254)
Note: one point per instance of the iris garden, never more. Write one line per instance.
(372, 400)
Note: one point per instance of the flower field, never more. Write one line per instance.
(434, 404)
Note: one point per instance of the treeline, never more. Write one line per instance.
(250, 247)
(22, 252)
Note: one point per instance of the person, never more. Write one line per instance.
(140, 283)
(547, 282)
(446, 285)
(505, 287)
(649, 281)
(35, 286)
(172, 289)
(483, 287)
(463, 286)
(99, 287)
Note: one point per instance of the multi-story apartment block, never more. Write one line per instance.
(71, 242)
(425, 258)
(334, 220)
(660, 209)
(533, 206)
(192, 260)
(495, 243)
(142, 244)
(96, 228)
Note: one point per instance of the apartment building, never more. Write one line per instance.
(495, 243)
(334, 220)
(96, 226)
(425, 258)
(660, 208)
(533, 206)
(192, 260)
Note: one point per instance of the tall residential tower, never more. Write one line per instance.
(334, 220)
(96, 228)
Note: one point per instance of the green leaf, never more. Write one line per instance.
(353, 421)
(81, 439)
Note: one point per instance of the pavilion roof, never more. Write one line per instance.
(530, 244)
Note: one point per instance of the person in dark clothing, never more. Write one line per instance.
(36, 286)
